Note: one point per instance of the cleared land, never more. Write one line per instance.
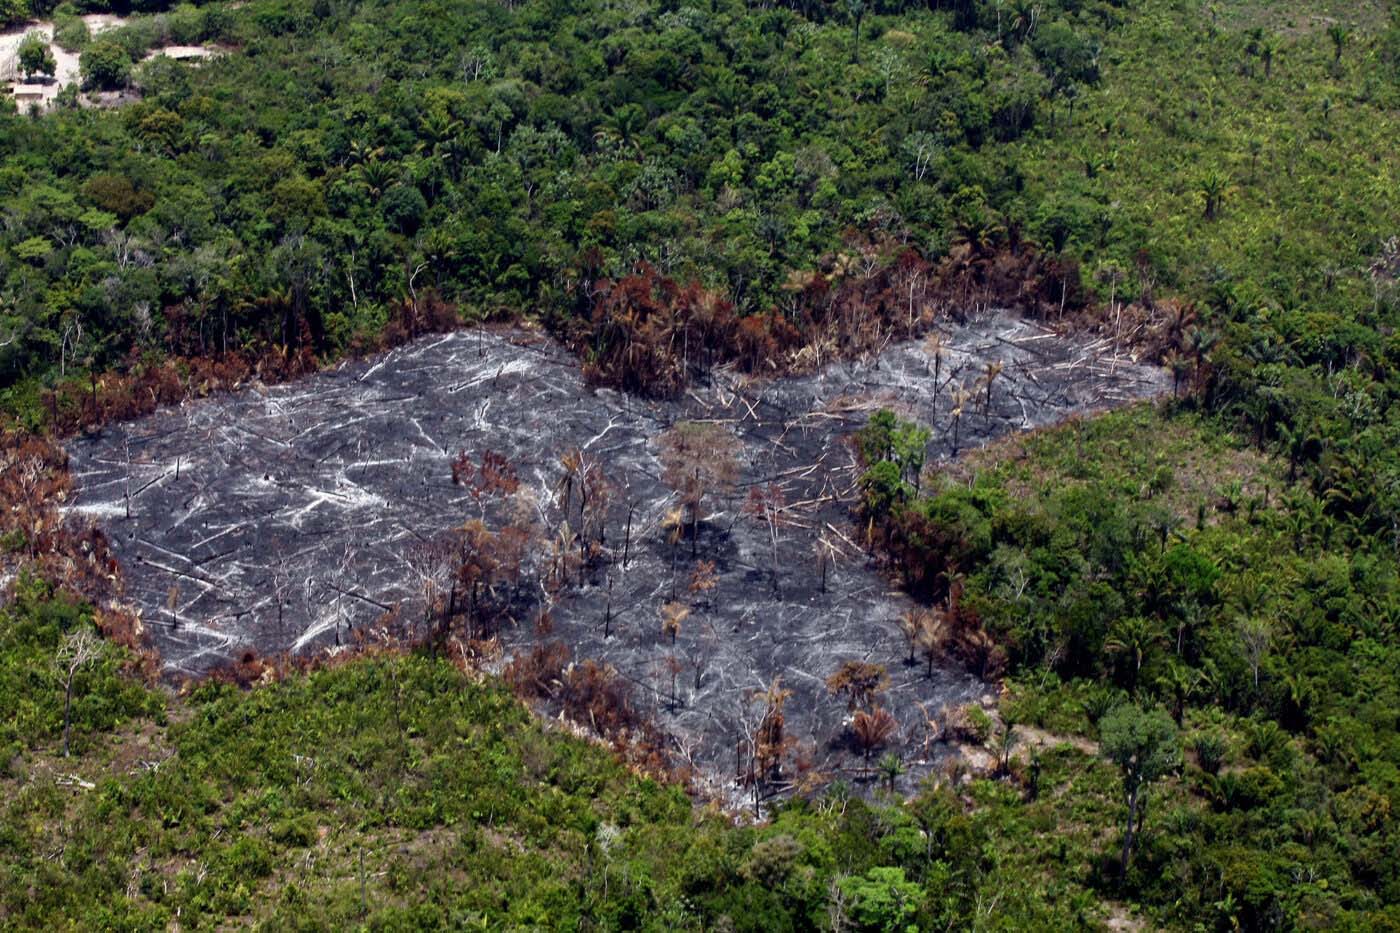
(288, 518)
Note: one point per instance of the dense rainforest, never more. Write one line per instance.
(1198, 600)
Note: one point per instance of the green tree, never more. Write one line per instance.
(404, 208)
(35, 56)
(910, 447)
(1145, 747)
(105, 65)
(1132, 640)
(882, 488)
(1268, 50)
(882, 900)
(13, 12)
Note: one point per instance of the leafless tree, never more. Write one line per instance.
(825, 551)
(836, 907)
(126, 483)
(430, 561)
(1256, 634)
(68, 343)
(768, 504)
(596, 493)
(78, 649)
(765, 738)
(172, 605)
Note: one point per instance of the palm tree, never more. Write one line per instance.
(1180, 366)
(909, 625)
(992, 371)
(1268, 48)
(1133, 638)
(891, 767)
(360, 152)
(1190, 614)
(442, 140)
(873, 730)
(1179, 682)
(1338, 34)
(1212, 187)
(933, 346)
(376, 176)
(1164, 522)
(1297, 439)
(932, 637)
(1200, 342)
(960, 397)
(1006, 742)
(856, 10)
(624, 126)
(1025, 13)
(672, 616)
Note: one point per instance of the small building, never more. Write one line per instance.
(184, 53)
(26, 94)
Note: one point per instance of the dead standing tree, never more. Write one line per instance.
(488, 561)
(872, 730)
(859, 682)
(768, 505)
(596, 493)
(431, 561)
(78, 649)
(933, 346)
(673, 615)
(989, 376)
(931, 637)
(491, 476)
(909, 622)
(961, 396)
(698, 459)
(764, 745)
(824, 549)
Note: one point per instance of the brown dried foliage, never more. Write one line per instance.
(859, 682)
(649, 334)
(596, 697)
(200, 364)
(873, 730)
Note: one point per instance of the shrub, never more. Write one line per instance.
(1210, 752)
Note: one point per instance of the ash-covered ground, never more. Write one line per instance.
(284, 518)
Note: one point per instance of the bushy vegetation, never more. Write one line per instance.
(33, 629)
(1142, 557)
(398, 792)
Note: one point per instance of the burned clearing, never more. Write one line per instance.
(287, 519)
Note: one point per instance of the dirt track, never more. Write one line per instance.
(296, 509)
